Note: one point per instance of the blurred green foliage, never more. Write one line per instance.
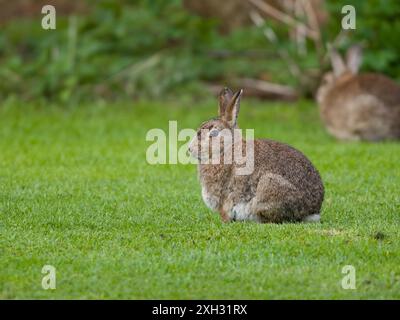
(152, 49)
(378, 29)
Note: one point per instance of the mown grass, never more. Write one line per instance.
(77, 193)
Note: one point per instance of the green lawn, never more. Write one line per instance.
(76, 193)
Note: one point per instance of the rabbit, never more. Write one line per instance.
(284, 186)
(356, 106)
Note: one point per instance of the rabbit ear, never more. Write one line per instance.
(337, 63)
(225, 96)
(354, 58)
(232, 110)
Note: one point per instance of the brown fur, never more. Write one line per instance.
(284, 186)
(359, 106)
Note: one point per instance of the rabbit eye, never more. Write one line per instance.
(214, 132)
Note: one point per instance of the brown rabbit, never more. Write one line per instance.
(283, 186)
(358, 106)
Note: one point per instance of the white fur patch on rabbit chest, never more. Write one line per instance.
(242, 212)
(210, 200)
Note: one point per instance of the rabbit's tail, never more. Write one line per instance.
(312, 218)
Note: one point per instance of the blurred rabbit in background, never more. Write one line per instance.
(356, 106)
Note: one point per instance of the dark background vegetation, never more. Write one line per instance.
(161, 49)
